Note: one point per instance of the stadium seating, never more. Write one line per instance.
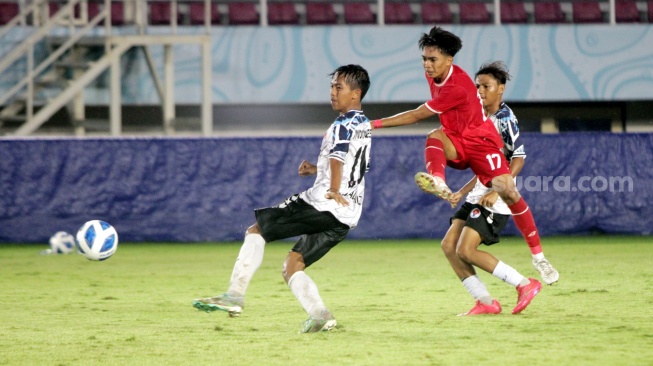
(397, 13)
(513, 12)
(53, 8)
(8, 11)
(242, 13)
(474, 13)
(282, 13)
(320, 13)
(548, 12)
(196, 13)
(586, 12)
(626, 11)
(160, 13)
(436, 13)
(358, 13)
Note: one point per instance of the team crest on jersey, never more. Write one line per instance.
(475, 213)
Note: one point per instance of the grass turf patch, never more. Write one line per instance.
(395, 300)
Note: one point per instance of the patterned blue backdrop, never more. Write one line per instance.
(289, 64)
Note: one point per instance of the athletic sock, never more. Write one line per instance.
(538, 257)
(509, 275)
(477, 289)
(305, 290)
(248, 261)
(523, 218)
(436, 161)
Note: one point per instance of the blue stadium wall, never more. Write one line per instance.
(205, 189)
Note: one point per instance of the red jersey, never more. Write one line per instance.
(477, 142)
(457, 102)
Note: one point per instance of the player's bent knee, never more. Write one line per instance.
(464, 254)
(254, 229)
(448, 247)
(294, 263)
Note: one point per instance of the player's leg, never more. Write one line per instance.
(468, 251)
(308, 250)
(483, 226)
(449, 243)
(523, 217)
(248, 261)
(291, 218)
(485, 303)
(492, 169)
(439, 148)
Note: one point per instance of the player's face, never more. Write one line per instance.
(435, 63)
(489, 89)
(342, 97)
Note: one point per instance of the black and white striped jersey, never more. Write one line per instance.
(348, 139)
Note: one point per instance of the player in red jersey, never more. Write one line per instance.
(467, 138)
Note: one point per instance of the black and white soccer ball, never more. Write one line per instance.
(61, 243)
(97, 240)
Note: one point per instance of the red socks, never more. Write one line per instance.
(526, 224)
(435, 159)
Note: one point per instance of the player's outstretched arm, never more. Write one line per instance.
(458, 196)
(306, 169)
(404, 118)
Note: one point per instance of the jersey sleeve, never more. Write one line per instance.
(340, 144)
(508, 127)
(448, 98)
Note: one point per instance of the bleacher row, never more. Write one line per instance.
(361, 12)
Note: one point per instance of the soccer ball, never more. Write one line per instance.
(62, 243)
(97, 240)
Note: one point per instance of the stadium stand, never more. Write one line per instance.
(8, 11)
(316, 12)
(398, 13)
(117, 12)
(436, 13)
(320, 13)
(548, 12)
(161, 12)
(586, 12)
(626, 11)
(196, 13)
(282, 13)
(474, 13)
(358, 13)
(52, 8)
(513, 12)
(242, 13)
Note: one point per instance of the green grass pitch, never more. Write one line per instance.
(395, 300)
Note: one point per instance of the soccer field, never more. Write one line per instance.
(395, 300)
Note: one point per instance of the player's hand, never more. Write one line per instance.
(306, 169)
(489, 199)
(455, 198)
(342, 201)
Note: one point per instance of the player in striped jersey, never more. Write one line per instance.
(484, 214)
(322, 215)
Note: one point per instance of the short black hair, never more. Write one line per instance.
(447, 42)
(355, 76)
(497, 69)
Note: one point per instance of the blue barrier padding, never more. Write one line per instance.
(205, 189)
